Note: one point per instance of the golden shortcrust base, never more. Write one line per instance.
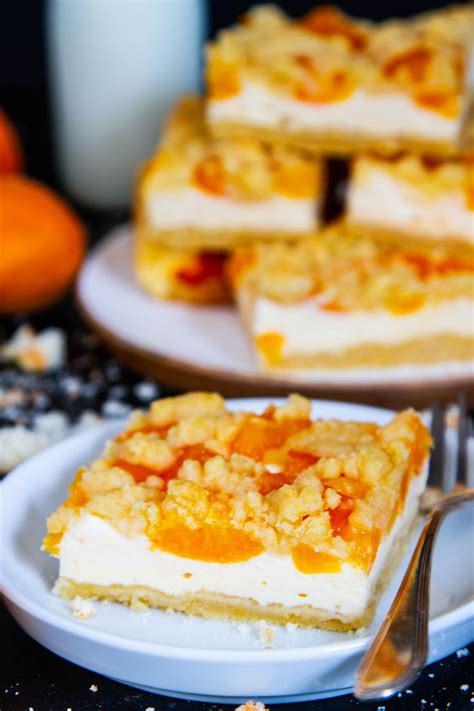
(211, 605)
(337, 143)
(438, 349)
(462, 245)
(195, 238)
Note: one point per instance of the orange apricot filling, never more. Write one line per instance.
(411, 65)
(51, 543)
(331, 88)
(210, 176)
(264, 434)
(270, 345)
(77, 495)
(223, 80)
(328, 21)
(237, 266)
(203, 267)
(339, 516)
(296, 462)
(140, 473)
(427, 266)
(209, 543)
(296, 180)
(403, 304)
(447, 105)
(309, 561)
(364, 546)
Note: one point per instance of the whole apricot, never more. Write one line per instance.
(42, 243)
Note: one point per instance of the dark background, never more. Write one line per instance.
(23, 84)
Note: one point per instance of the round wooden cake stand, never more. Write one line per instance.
(182, 375)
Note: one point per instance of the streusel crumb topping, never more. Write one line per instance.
(220, 486)
(325, 56)
(432, 177)
(343, 271)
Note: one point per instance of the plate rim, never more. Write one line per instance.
(118, 343)
(17, 597)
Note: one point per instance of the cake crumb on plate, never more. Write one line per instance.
(266, 632)
(82, 609)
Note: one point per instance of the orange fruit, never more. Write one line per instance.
(11, 155)
(42, 243)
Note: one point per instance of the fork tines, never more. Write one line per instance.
(463, 434)
(437, 472)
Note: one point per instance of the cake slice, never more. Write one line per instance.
(334, 85)
(411, 199)
(203, 193)
(275, 516)
(181, 274)
(341, 300)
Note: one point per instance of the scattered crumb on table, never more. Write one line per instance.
(252, 706)
(36, 352)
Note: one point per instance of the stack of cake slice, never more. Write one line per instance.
(231, 204)
(201, 197)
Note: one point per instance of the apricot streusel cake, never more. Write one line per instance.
(230, 514)
(414, 199)
(331, 84)
(200, 192)
(340, 300)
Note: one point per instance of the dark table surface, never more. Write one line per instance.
(34, 678)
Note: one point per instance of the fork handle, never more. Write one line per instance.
(399, 651)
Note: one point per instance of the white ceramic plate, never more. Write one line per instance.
(209, 341)
(186, 656)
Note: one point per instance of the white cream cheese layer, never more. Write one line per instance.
(379, 199)
(94, 552)
(190, 208)
(383, 115)
(308, 329)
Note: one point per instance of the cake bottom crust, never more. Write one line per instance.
(462, 245)
(336, 143)
(212, 605)
(195, 238)
(438, 349)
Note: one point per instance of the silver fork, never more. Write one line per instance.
(399, 650)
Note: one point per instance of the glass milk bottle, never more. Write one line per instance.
(116, 67)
